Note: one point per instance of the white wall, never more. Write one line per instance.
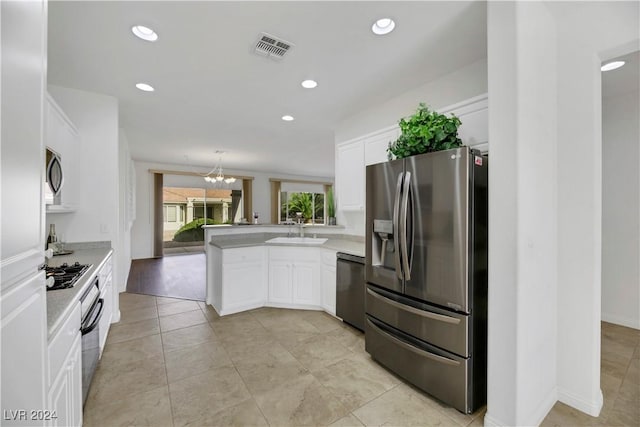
(524, 60)
(585, 39)
(449, 89)
(522, 206)
(142, 231)
(621, 209)
(98, 216)
(124, 227)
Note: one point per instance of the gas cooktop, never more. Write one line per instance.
(65, 276)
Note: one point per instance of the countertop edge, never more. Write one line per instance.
(327, 245)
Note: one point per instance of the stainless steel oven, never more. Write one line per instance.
(92, 308)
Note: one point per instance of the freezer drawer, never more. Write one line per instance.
(443, 328)
(439, 373)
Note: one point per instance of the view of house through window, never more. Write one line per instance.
(308, 207)
(185, 210)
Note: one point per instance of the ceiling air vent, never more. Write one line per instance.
(271, 46)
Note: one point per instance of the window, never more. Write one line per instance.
(308, 207)
(171, 213)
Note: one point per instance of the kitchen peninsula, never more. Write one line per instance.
(251, 266)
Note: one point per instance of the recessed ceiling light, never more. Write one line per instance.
(287, 118)
(612, 65)
(383, 26)
(145, 87)
(309, 84)
(144, 33)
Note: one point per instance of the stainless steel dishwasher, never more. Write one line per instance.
(350, 289)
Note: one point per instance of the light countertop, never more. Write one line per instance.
(353, 245)
(61, 302)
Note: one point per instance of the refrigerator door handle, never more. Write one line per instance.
(396, 226)
(406, 188)
(416, 350)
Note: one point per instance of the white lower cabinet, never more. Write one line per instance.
(65, 372)
(328, 281)
(294, 277)
(237, 279)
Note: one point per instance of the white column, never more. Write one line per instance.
(522, 206)
(189, 210)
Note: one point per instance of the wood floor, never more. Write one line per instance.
(180, 276)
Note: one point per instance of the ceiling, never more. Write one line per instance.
(622, 80)
(213, 93)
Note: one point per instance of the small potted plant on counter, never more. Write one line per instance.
(424, 132)
(331, 207)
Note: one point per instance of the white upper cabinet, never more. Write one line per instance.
(474, 115)
(350, 176)
(375, 146)
(62, 138)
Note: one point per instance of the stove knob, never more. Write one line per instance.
(50, 282)
(65, 265)
(76, 264)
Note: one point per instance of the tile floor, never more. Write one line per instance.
(619, 382)
(176, 362)
(172, 362)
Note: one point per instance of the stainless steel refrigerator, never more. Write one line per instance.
(426, 272)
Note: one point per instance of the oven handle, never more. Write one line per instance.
(87, 329)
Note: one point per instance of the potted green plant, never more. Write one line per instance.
(424, 132)
(331, 207)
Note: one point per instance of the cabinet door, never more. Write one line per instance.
(280, 281)
(306, 286)
(243, 285)
(74, 369)
(328, 277)
(350, 176)
(23, 322)
(60, 399)
(65, 393)
(375, 147)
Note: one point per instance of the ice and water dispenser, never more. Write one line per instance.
(382, 245)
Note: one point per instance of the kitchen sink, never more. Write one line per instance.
(298, 240)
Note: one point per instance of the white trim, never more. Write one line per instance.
(467, 106)
(621, 320)
(489, 421)
(592, 408)
(543, 409)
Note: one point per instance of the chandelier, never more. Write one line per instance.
(216, 174)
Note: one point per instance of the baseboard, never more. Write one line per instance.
(535, 419)
(621, 320)
(489, 421)
(592, 408)
(543, 409)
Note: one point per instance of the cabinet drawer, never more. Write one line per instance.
(230, 256)
(61, 343)
(446, 329)
(439, 373)
(329, 257)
